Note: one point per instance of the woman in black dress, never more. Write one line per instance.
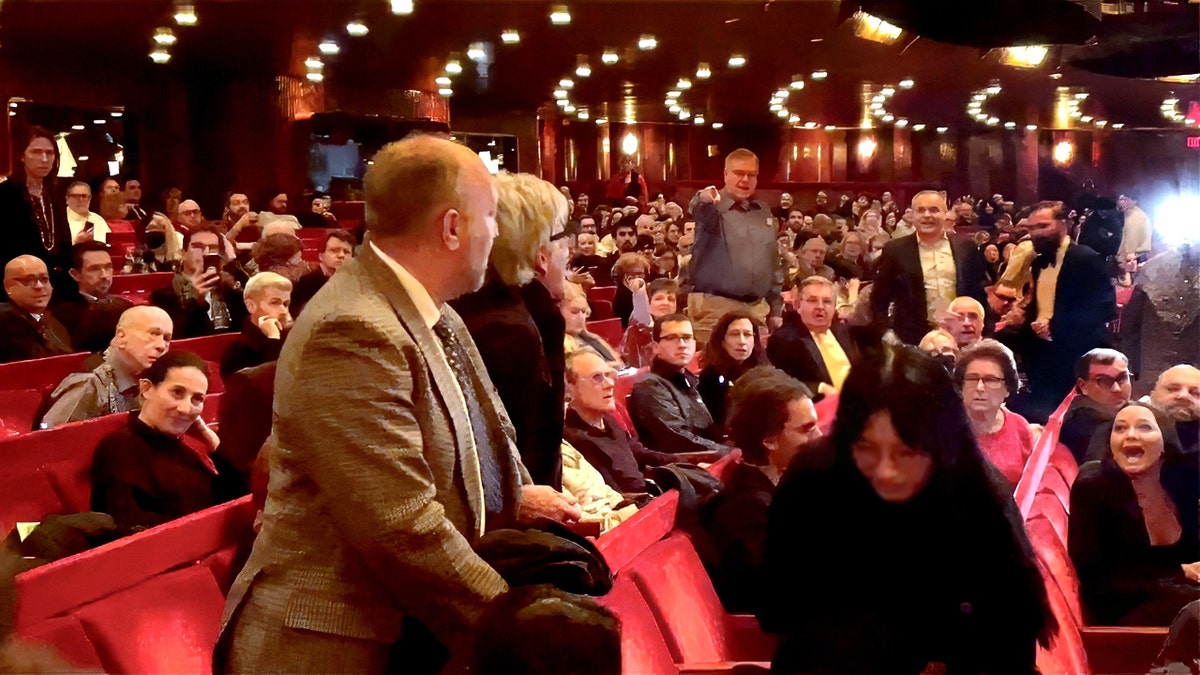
(33, 210)
(893, 546)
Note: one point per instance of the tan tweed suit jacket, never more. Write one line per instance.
(375, 495)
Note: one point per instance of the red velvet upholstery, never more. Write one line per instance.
(826, 410)
(1052, 555)
(120, 244)
(1064, 461)
(19, 408)
(609, 329)
(654, 521)
(621, 391)
(605, 293)
(168, 623)
(601, 310)
(1054, 483)
(212, 405)
(642, 647)
(65, 635)
(124, 284)
(1067, 655)
(61, 586)
(216, 385)
(313, 233)
(119, 225)
(209, 347)
(1049, 508)
(26, 498)
(42, 374)
(723, 466)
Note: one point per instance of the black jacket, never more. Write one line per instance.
(900, 282)
(22, 236)
(793, 350)
(669, 414)
(22, 338)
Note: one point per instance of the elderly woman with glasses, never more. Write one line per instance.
(986, 374)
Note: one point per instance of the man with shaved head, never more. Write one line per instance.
(1178, 392)
(27, 330)
(143, 335)
(189, 216)
(964, 319)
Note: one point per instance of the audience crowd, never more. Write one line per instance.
(947, 331)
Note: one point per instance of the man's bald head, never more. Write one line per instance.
(964, 320)
(278, 227)
(189, 213)
(143, 334)
(1178, 392)
(27, 282)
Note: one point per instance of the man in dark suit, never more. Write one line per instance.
(27, 330)
(919, 275)
(1073, 301)
(809, 346)
(391, 453)
(91, 315)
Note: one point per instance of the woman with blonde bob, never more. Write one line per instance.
(515, 320)
(575, 313)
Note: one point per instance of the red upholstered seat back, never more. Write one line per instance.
(625, 542)
(642, 647)
(609, 329)
(1062, 460)
(602, 310)
(140, 284)
(1048, 507)
(166, 624)
(209, 347)
(1067, 654)
(41, 374)
(19, 408)
(1054, 483)
(65, 635)
(606, 293)
(26, 498)
(723, 466)
(673, 580)
(1052, 555)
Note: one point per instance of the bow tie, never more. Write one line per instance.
(1043, 261)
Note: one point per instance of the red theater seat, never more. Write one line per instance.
(654, 521)
(140, 284)
(209, 347)
(1052, 554)
(19, 408)
(41, 374)
(605, 293)
(1049, 508)
(1067, 654)
(609, 329)
(1062, 460)
(723, 466)
(601, 310)
(65, 635)
(642, 647)
(166, 624)
(27, 499)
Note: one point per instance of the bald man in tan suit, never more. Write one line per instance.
(391, 453)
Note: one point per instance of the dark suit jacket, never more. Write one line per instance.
(375, 496)
(252, 348)
(899, 280)
(793, 350)
(21, 338)
(90, 324)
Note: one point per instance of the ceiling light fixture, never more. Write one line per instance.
(401, 7)
(698, 120)
(609, 57)
(601, 120)
(794, 119)
(674, 93)
(164, 36)
(875, 29)
(647, 42)
(1031, 127)
(357, 28)
(782, 113)
(566, 83)
(993, 121)
(118, 113)
(453, 67)
(718, 125)
(889, 117)
(683, 83)
(329, 47)
(583, 114)
(1010, 125)
(901, 123)
(1056, 76)
(907, 83)
(442, 81)
(314, 77)
(560, 93)
(1119, 125)
(703, 71)
(781, 93)
(797, 82)
(185, 15)
(510, 36)
(313, 63)
(776, 107)
(560, 15)
(819, 74)
(1024, 57)
(477, 52)
(737, 61)
(942, 130)
(582, 69)
(160, 55)
(810, 125)
(888, 91)
(674, 110)
(569, 108)
(445, 91)
(918, 127)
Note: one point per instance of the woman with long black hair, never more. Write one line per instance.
(33, 209)
(894, 547)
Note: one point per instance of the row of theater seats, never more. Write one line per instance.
(25, 385)
(1043, 496)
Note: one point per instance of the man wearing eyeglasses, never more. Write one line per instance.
(1103, 386)
(27, 330)
(85, 225)
(666, 407)
(189, 216)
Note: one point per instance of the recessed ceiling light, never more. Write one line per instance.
(560, 15)
(453, 67)
(329, 47)
(84, 158)
(357, 28)
(718, 125)
(313, 63)
(1081, 95)
(566, 83)
(819, 74)
(703, 71)
(510, 36)
(670, 102)
(562, 102)
(402, 7)
(907, 83)
(994, 89)
(164, 36)
(647, 42)
(609, 57)
(445, 91)
(160, 56)
(737, 61)
(314, 77)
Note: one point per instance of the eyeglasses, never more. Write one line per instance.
(31, 281)
(635, 275)
(989, 382)
(190, 212)
(603, 376)
(78, 195)
(672, 337)
(1107, 382)
(563, 234)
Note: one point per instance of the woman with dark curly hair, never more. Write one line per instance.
(734, 348)
(892, 546)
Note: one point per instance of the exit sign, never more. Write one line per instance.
(1193, 141)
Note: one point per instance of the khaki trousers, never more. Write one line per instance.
(705, 310)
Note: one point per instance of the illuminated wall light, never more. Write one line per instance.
(647, 42)
(560, 93)
(994, 89)
(14, 104)
(510, 36)
(670, 102)
(560, 15)
(329, 47)
(979, 97)
(84, 158)
(794, 119)
(781, 113)
(866, 148)
(566, 83)
(99, 121)
(1119, 125)
(993, 121)
(401, 7)
(78, 127)
(907, 83)
(737, 61)
(562, 102)
(1082, 96)
(698, 119)
(118, 113)
(1063, 152)
(718, 125)
(629, 144)
(703, 72)
(1085, 119)
(1010, 125)
(776, 107)
(1024, 57)
(609, 57)
(583, 114)
(888, 91)
(164, 36)
(453, 67)
(683, 115)
(901, 123)
(918, 127)
(1031, 127)
(357, 28)
(1101, 123)
(674, 110)
(819, 74)
(810, 125)
(889, 117)
(445, 91)
(476, 52)
(876, 106)
(674, 93)
(313, 63)
(781, 93)
(942, 130)
(797, 82)
(314, 77)
(568, 108)
(878, 98)
(830, 127)
(160, 56)
(185, 15)
(879, 112)
(442, 81)
(683, 84)
(582, 69)
(602, 120)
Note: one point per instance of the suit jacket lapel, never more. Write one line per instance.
(444, 381)
(814, 353)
